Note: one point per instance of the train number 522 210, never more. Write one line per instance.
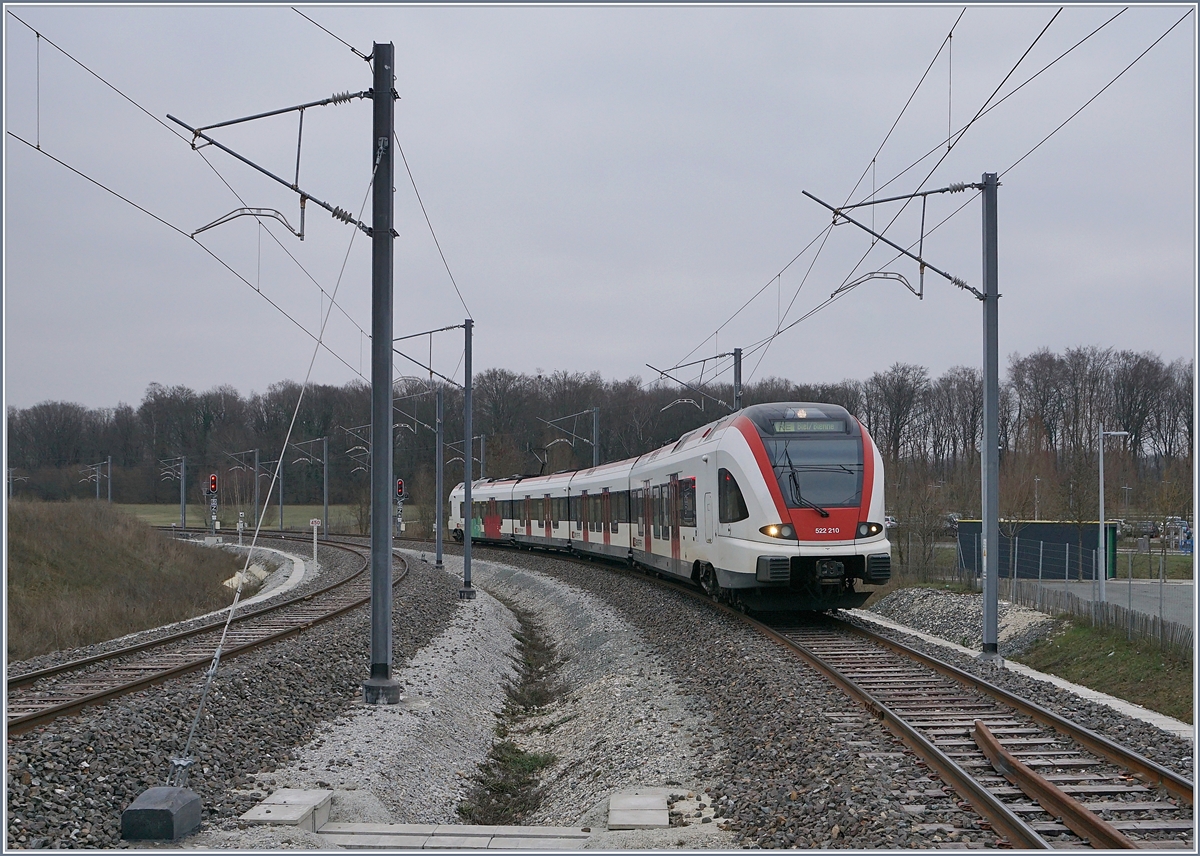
(827, 530)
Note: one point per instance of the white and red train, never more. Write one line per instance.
(774, 507)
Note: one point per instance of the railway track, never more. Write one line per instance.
(1039, 780)
(36, 698)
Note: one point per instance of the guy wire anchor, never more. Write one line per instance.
(177, 776)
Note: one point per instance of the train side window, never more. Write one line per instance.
(656, 509)
(687, 502)
(729, 498)
(462, 509)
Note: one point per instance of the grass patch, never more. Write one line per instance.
(1104, 660)
(81, 572)
(506, 790)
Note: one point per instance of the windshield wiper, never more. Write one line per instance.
(825, 468)
(795, 480)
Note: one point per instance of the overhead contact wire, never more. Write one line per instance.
(175, 228)
(824, 233)
(175, 133)
(968, 201)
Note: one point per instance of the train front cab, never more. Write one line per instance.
(773, 552)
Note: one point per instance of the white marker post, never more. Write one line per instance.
(315, 523)
(241, 525)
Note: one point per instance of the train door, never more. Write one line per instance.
(708, 518)
(546, 506)
(528, 509)
(583, 515)
(673, 520)
(647, 515)
(491, 520)
(606, 515)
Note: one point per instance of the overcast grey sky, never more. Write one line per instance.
(609, 185)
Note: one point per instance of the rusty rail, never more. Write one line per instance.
(1100, 833)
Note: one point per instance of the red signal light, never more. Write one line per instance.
(212, 483)
(399, 487)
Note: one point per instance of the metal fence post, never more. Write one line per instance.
(1130, 635)
(1041, 547)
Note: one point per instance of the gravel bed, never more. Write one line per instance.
(67, 783)
(332, 565)
(950, 616)
(958, 618)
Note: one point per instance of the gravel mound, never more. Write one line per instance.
(958, 618)
(413, 760)
(623, 721)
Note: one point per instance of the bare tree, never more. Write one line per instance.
(1140, 382)
(893, 402)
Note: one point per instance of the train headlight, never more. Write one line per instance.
(779, 530)
(866, 530)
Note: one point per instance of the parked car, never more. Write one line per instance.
(889, 522)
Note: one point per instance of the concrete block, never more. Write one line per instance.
(283, 815)
(319, 800)
(638, 819)
(161, 814)
(637, 801)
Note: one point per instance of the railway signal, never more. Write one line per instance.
(212, 483)
(400, 488)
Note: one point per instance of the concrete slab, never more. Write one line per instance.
(283, 815)
(456, 842)
(318, 801)
(635, 802)
(299, 796)
(513, 831)
(376, 842)
(638, 819)
(419, 829)
(554, 844)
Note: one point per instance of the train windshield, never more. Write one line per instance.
(820, 471)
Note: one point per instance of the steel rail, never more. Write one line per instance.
(27, 678)
(1093, 742)
(1002, 819)
(26, 722)
(1100, 833)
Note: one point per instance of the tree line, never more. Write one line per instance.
(1052, 406)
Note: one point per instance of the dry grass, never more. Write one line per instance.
(81, 572)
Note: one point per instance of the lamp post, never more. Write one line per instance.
(1103, 538)
(1036, 516)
